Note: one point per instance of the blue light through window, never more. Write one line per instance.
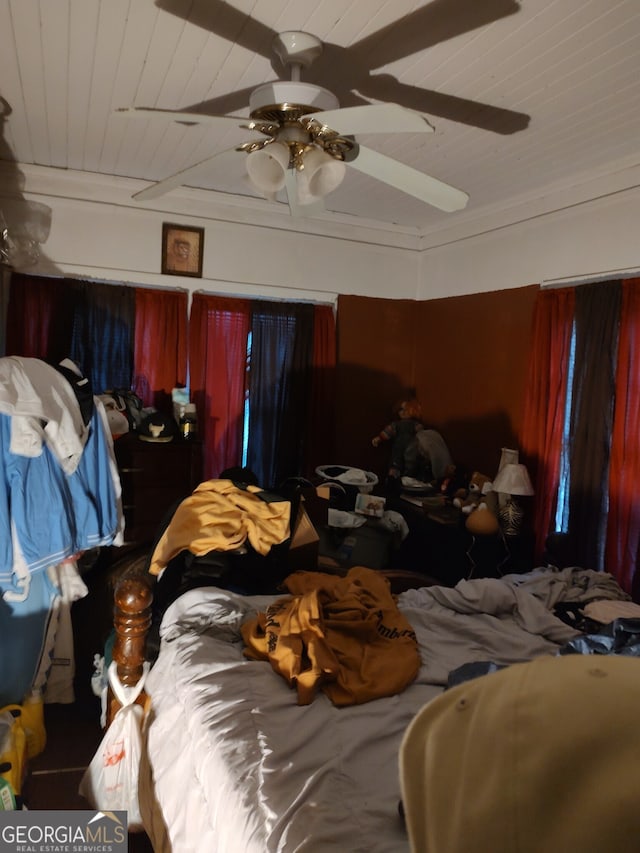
(245, 425)
(562, 509)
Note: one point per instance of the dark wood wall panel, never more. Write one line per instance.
(376, 367)
(465, 356)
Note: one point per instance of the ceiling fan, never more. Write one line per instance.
(302, 141)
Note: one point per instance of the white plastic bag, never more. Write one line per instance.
(110, 782)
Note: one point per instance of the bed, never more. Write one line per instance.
(233, 762)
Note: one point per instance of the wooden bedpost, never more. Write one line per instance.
(131, 620)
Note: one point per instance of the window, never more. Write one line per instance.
(582, 422)
(245, 421)
(254, 380)
(562, 509)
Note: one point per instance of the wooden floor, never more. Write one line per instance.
(73, 735)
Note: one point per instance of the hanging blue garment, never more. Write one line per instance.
(23, 629)
(55, 515)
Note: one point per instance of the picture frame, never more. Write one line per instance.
(182, 250)
(370, 505)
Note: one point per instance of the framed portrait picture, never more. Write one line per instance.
(182, 249)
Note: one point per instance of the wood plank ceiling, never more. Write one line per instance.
(525, 97)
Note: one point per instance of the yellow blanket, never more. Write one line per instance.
(220, 516)
(342, 635)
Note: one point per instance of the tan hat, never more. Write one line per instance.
(540, 757)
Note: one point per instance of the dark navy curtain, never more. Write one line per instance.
(92, 323)
(103, 334)
(279, 381)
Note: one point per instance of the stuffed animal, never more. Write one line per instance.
(475, 495)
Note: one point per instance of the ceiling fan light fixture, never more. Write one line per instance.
(267, 167)
(321, 174)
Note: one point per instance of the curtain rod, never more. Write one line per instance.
(568, 280)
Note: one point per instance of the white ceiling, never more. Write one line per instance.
(525, 97)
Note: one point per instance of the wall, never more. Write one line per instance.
(376, 368)
(576, 233)
(465, 358)
(98, 232)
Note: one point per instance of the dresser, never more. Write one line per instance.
(154, 475)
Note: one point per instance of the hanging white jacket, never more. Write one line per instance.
(43, 408)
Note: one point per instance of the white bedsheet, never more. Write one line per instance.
(239, 767)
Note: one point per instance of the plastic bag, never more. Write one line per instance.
(110, 782)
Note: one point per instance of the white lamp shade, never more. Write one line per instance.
(507, 457)
(321, 175)
(268, 166)
(513, 479)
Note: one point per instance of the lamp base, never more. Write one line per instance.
(511, 515)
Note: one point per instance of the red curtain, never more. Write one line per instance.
(321, 441)
(541, 435)
(30, 315)
(623, 523)
(218, 330)
(160, 348)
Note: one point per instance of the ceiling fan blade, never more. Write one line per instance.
(408, 180)
(374, 118)
(296, 209)
(182, 178)
(223, 122)
(385, 87)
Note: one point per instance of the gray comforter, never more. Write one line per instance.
(236, 764)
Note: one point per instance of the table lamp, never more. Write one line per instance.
(513, 481)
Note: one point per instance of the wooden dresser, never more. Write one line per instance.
(154, 475)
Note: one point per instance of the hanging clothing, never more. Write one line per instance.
(53, 505)
(55, 675)
(83, 509)
(44, 410)
(24, 628)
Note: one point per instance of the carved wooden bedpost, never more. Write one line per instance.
(131, 620)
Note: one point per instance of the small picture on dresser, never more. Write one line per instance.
(370, 505)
